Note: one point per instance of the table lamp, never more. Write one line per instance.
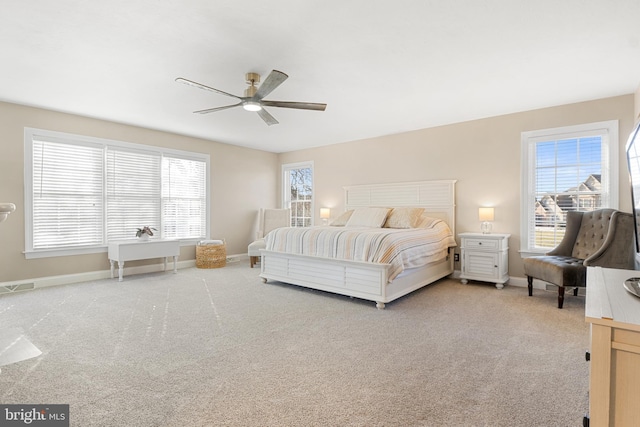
(486, 216)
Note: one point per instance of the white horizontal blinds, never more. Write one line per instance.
(67, 202)
(132, 192)
(183, 198)
(568, 176)
(83, 192)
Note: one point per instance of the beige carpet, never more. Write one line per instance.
(220, 348)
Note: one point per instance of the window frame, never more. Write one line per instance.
(286, 186)
(608, 130)
(68, 138)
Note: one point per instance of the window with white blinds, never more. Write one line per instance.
(183, 201)
(67, 205)
(133, 192)
(565, 169)
(83, 192)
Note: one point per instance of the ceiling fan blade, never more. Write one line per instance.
(211, 110)
(298, 105)
(268, 118)
(201, 86)
(273, 80)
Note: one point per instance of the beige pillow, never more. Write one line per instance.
(403, 218)
(426, 221)
(341, 221)
(368, 217)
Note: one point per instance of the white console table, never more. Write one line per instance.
(129, 250)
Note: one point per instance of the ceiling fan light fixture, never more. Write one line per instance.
(251, 106)
(253, 98)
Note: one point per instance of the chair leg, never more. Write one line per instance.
(575, 292)
(252, 261)
(560, 296)
(530, 285)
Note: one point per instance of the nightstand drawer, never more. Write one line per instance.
(488, 244)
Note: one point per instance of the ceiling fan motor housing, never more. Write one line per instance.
(252, 79)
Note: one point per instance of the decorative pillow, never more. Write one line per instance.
(341, 221)
(426, 221)
(368, 217)
(403, 218)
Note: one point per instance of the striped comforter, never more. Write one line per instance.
(400, 248)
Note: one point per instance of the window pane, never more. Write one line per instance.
(67, 195)
(567, 177)
(567, 152)
(133, 193)
(546, 154)
(300, 184)
(184, 198)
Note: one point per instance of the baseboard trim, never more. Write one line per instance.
(67, 279)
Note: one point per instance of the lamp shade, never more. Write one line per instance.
(325, 213)
(485, 214)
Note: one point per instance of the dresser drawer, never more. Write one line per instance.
(488, 244)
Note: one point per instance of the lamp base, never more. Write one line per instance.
(486, 227)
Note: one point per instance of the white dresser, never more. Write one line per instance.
(614, 371)
(129, 250)
(485, 257)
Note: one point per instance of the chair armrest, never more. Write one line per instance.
(617, 251)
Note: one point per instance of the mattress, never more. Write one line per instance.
(399, 248)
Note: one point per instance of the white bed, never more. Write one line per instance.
(367, 280)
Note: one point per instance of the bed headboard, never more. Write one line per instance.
(436, 197)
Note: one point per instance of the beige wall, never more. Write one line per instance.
(483, 155)
(242, 180)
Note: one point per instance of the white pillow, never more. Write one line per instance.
(368, 217)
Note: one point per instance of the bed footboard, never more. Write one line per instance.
(363, 280)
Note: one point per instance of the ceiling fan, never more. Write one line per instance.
(253, 99)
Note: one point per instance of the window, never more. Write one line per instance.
(565, 169)
(298, 193)
(83, 192)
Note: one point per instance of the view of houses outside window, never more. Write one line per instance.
(568, 177)
(570, 168)
(299, 193)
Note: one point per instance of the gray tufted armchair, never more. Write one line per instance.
(599, 238)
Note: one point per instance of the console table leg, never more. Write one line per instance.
(120, 270)
(112, 267)
(165, 263)
(175, 264)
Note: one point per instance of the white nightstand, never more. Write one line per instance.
(485, 257)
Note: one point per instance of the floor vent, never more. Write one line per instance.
(17, 288)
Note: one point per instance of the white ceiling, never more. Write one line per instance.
(382, 67)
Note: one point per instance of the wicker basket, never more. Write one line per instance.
(211, 256)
